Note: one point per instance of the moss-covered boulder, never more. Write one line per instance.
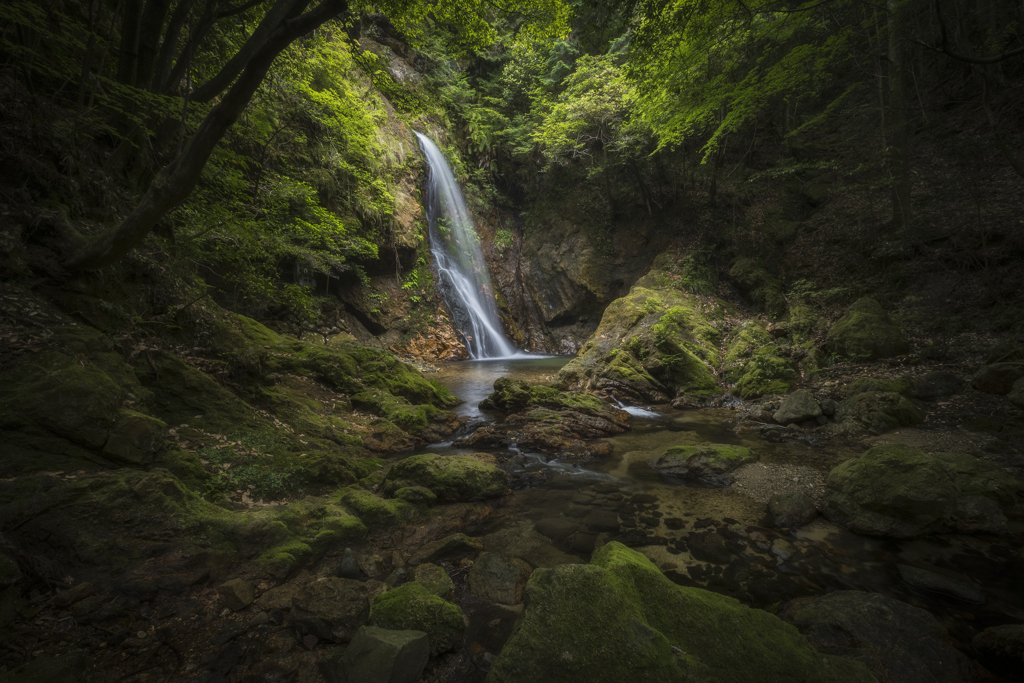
(797, 407)
(756, 364)
(651, 345)
(899, 643)
(515, 395)
(872, 412)
(901, 492)
(619, 619)
(867, 333)
(998, 378)
(711, 464)
(760, 286)
(331, 608)
(452, 478)
(413, 607)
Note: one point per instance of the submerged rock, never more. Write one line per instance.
(792, 509)
(711, 464)
(955, 586)
(867, 333)
(412, 606)
(899, 643)
(901, 492)
(452, 478)
(620, 619)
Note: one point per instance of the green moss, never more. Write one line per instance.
(412, 606)
(766, 372)
(619, 619)
(410, 418)
(867, 333)
(374, 511)
(451, 478)
(513, 395)
(758, 284)
(900, 385)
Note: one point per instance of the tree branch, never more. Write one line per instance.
(175, 182)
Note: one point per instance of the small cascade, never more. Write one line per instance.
(463, 278)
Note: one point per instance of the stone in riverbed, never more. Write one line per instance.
(875, 413)
(378, 655)
(412, 606)
(449, 547)
(452, 478)
(620, 619)
(797, 407)
(331, 608)
(497, 580)
(956, 586)
(792, 509)
(901, 492)
(434, 578)
(237, 594)
(711, 464)
(899, 643)
(1004, 644)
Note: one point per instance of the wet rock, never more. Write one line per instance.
(447, 548)
(711, 464)
(412, 607)
(936, 384)
(898, 643)
(434, 578)
(998, 378)
(451, 478)
(497, 580)
(1003, 645)
(602, 520)
(279, 598)
(867, 333)
(378, 655)
(557, 528)
(792, 509)
(828, 407)
(1016, 394)
(523, 541)
(349, 565)
(372, 566)
(417, 495)
(237, 594)
(797, 407)
(901, 492)
(280, 642)
(875, 413)
(783, 549)
(953, 585)
(331, 608)
(619, 619)
(707, 546)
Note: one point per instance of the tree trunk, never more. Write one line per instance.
(128, 55)
(162, 69)
(149, 39)
(899, 113)
(175, 182)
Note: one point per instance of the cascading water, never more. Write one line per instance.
(463, 278)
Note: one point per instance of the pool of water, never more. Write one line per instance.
(720, 539)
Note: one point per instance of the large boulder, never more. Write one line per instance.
(797, 407)
(413, 607)
(901, 492)
(755, 363)
(452, 478)
(494, 579)
(653, 344)
(867, 333)
(620, 619)
(875, 413)
(547, 420)
(899, 643)
(710, 464)
(377, 655)
(998, 378)
(331, 608)
(759, 285)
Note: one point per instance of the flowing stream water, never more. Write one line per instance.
(715, 538)
(463, 279)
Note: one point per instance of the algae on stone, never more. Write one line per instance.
(412, 606)
(619, 619)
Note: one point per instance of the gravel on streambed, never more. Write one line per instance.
(762, 481)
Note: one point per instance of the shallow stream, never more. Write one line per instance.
(720, 539)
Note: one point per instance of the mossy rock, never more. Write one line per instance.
(867, 333)
(767, 372)
(875, 412)
(414, 607)
(901, 492)
(412, 419)
(619, 619)
(374, 511)
(452, 478)
(514, 395)
(651, 345)
(900, 385)
(711, 464)
(759, 285)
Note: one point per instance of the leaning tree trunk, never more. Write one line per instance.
(899, 113)
(175, 182)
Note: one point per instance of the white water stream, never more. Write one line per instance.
(462, 273)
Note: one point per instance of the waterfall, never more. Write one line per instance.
(462, 274)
